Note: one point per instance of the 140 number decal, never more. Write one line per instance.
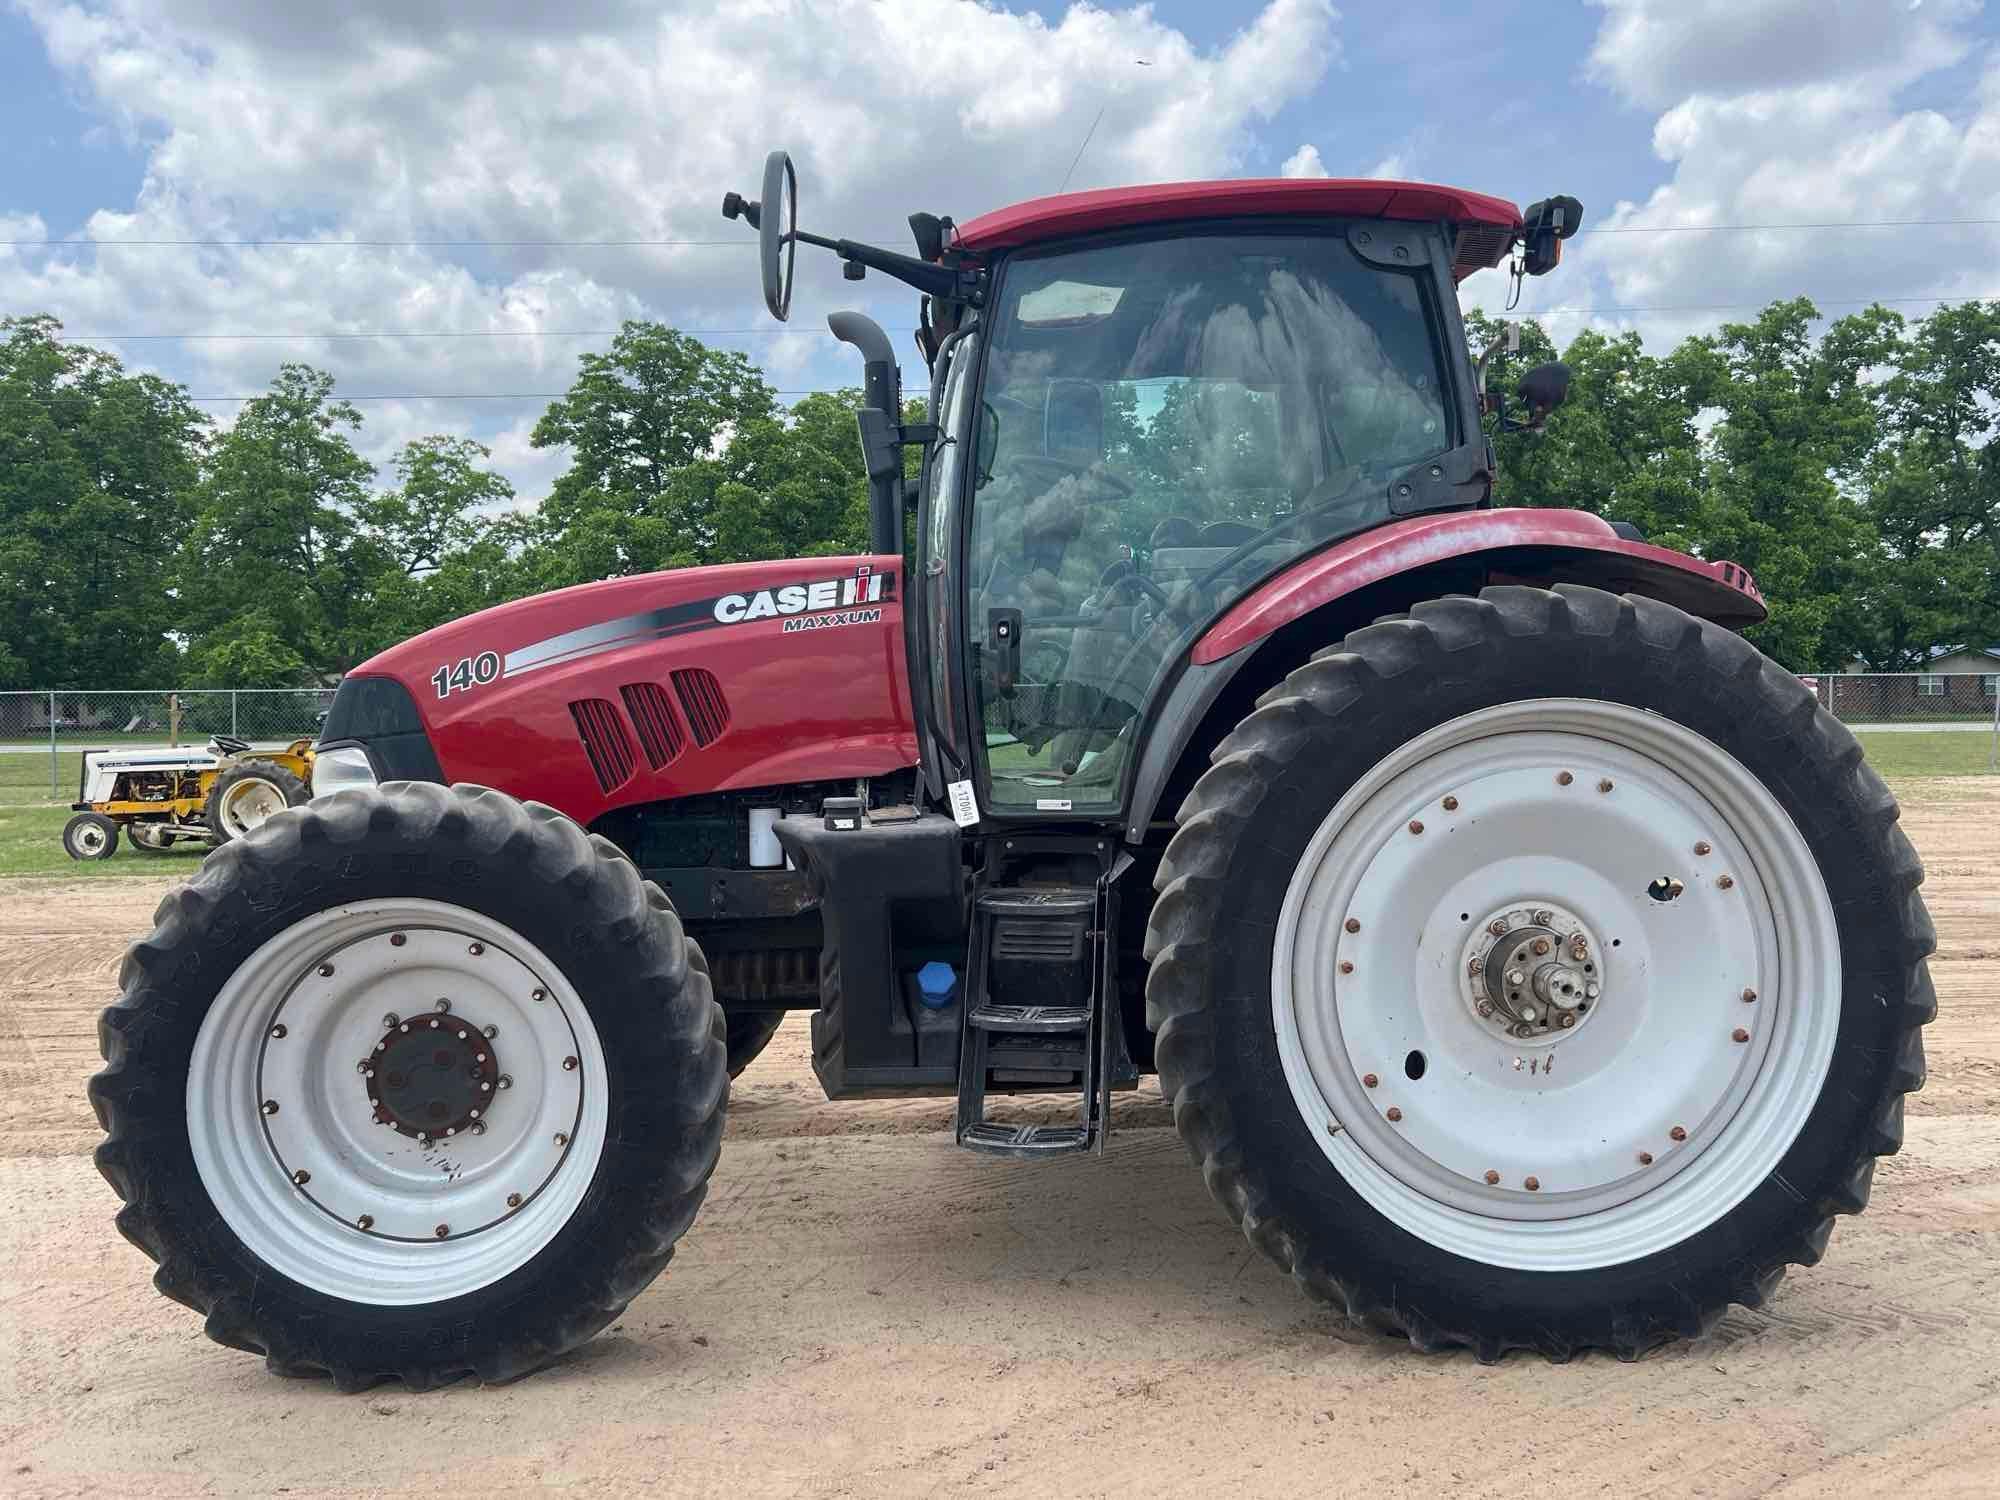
(467, 672)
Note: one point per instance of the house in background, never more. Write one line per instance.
(1955, 682)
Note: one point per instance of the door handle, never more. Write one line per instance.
(1003, 638)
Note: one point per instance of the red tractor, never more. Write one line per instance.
(1529, 961)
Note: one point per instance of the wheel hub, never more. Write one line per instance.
(433, 1076)
(1532, 971)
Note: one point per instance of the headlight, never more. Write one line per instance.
(341, 766)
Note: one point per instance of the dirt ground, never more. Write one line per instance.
(862, 1310)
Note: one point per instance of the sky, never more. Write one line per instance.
(483, 130)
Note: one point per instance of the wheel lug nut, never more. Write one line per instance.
(461, 1036)
(1748, 996)
(1543, 918)
(1515, 976)
(569, 1063)
(366, 1221)
(1492, 1178)
(1415, 826)
(539, 995)
(1678, 1133)
(1485, 1008)
(1541, 946)
(441, 1006)
(1563, 778)
(1645, 1158)
(1725, 882)
(278, 1032)
(302, 1177)
(396, 940)
(270, 1106)
(513, 1200)
(561, 1139)
(1532, 1184)
(1497, 927)
(1605, 785)
(1472, 967)
(1703, 847)
(506, 1080)
(490, 1033)
(392, 1019)
(1346, 967)
(1739, 1035)
(442, 1231)
(1353, 925)
(1529, 1013)
(1395, 1115)
(478, 1126)
(1369, 1080)
(1451, 804)
(326, 971)
(1567, 1021)
(475, 949)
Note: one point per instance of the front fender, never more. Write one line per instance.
(1525, 546)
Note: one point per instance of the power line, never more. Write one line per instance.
(446, 333)
(751, 244)
(808, 390)
(1688, 307)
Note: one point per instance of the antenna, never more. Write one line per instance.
(1080, 149)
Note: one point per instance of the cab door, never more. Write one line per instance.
(934, 643)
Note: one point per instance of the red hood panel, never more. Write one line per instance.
(668, 684)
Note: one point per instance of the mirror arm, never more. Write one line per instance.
(939, 281)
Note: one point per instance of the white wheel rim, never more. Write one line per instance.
(1590, 1114)
(249, 802)
(292, 1025)
(90, 839)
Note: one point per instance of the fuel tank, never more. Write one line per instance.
(666, 684)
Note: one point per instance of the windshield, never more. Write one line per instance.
(1163, 424)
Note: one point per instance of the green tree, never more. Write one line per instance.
(438, 550)
(96, 471)
(276, 575)
(647, 424)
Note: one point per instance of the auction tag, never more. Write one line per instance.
(964, 807)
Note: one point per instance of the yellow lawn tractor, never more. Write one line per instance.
(161, 796)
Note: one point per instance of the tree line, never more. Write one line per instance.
(1851, 465)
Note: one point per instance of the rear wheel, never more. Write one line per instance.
(411, 1084)
(245, 795)
(90, 836)
(1542, 970)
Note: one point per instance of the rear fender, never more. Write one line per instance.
(1316, 602)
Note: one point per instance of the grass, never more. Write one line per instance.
(31, 822)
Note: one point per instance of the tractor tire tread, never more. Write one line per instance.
(1450, 635)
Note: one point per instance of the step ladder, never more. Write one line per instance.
(1036, 1020)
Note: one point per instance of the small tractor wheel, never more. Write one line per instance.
(90, 836)
(1541, 970)
(149, 840)
(750, 1032)
(419, 1083)
(247, 793)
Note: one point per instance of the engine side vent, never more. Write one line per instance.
(604, 741)
(653, 716)
(702, 701)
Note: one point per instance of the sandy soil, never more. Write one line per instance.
(861, 1309)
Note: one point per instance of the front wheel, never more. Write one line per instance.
(413, 1083)
(90, 836)
(1543, 970)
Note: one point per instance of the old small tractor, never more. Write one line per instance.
(159, 797)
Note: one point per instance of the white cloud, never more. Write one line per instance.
(603, 120)
(1790, 112)
(1304, 162)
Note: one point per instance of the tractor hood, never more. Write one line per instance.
(663, 685)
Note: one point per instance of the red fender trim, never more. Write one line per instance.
(1535, 546)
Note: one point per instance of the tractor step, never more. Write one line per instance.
(1024, 1140)
(1035, 1018)
(1031, 1018)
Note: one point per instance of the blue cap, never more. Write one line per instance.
(935, 982)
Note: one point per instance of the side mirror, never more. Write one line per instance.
(1543, 389)
(777, 218)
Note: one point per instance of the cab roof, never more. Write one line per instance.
(1486, 226)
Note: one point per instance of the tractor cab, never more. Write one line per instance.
(1145, 402)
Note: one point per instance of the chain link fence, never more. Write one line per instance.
(56, 723)
(1943, 699)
